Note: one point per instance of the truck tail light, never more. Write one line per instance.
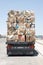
(32, 46)
(9, 46)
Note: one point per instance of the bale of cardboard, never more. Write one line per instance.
(21, 24)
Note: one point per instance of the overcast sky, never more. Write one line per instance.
(35, 5)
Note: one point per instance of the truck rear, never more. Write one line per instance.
(20, 32)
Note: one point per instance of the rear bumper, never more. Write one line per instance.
(20, 43)
(25, 50)
(20, 51)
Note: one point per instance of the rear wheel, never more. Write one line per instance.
(9, 53)
(9, 46)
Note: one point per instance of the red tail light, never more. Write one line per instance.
(32, 46)
(9, 46)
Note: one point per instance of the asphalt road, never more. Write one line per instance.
(37, 59)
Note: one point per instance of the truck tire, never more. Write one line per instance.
(8, 53)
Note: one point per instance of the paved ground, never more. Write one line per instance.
(39, 46)
(37, 59)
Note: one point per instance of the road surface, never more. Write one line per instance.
(37, 59)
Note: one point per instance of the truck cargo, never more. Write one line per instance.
(20, 32)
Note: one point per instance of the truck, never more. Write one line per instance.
(20, 32)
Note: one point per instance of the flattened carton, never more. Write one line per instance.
(21, 26)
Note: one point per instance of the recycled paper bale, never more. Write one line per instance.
(15, 38)
(8, 24)
(32, 19)
(27, 25)
(21, 30)
(27, 13)
(32, 38)
(12, 19)
(27, 32)
(11, 13)
(21, 19)
(15, 32)
(32, 32)
(12, 32)
(9, 37)
(17, 13)
(21, 23)
(9, 32)
(17, 19)
(33, 26)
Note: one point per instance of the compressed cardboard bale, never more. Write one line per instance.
(32, 19)
(15, 26)
(27, 13)
(13, 38)
(32, 25)
(9, 37)
(32, 32)
(15, 32)
(21, 23)
(27, 17)
(22, 19)
(11, 13)
(12, 31)
(17, 19)
(26, 20)
(17, 13)
(9, 32)
(32, 38)
(27, 32)
(21, 30)
(21, 38)
(12, 19)
(27, 25)
(8, 24)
